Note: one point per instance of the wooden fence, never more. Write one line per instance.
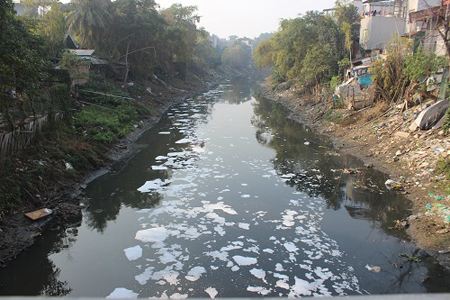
(24, 134)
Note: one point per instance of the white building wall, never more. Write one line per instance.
(359, 5)
(376, 32)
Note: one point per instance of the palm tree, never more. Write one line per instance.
(88, 20)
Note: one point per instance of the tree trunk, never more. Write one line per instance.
(127, 66)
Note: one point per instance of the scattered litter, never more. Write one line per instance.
(39, 214)
(374, 269)
(392, 185)
(437, 198)
(439, 208)
(68, 166)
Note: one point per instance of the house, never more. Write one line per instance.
(246, 41)
(378, 27)
(32, 8)
(423, 25)
(92, 63)
(331, 11)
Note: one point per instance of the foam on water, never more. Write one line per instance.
(207, 226)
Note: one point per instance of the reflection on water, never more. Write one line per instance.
(228, 197)
(318, 170)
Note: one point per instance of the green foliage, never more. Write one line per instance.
(446, 125)
(104, 124)
(21, 64)
(53, 28)
(263, 54)
(306, 50)
(420, 65)
(348, 13)
(60, 98)
(317, 65)
(443, 167)
(238, 56)
(72, 63)
(389, 77)
(335, 82)
(410, 257)
(332, 116)
(88, 20)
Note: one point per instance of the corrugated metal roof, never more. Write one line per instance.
(82, 52)
(98, 61)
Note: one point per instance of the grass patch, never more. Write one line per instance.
(443, 167)
(104, 124)
(446, 125)
(333, 116)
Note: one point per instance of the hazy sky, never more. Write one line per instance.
(247, 17)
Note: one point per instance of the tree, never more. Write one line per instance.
(300, 41)
(53, 29)
(21, 64)
(317, 65)
(88, 20)
(349, 22)
(238, 56)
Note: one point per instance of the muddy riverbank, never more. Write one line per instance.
(386, 143)
(62, 193)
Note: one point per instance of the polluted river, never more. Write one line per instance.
(227, 197)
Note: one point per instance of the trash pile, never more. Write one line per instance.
(438, 209)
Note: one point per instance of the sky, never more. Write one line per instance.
(247, 18)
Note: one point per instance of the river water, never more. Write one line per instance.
(229, 198)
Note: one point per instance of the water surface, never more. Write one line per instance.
(229, 198)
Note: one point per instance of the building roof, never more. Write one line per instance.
(98, 61)
(82, 52)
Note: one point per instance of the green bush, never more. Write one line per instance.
(446, 125)
(106, 124)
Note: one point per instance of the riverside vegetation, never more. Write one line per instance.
(308, 57)
(155, 58)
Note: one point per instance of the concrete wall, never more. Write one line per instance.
(377, 31)
(416, 5)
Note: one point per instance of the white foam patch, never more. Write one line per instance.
(122, 293)
(153, 185)
(159, 168)
(245, 261)
(288, 218)
(212, 292)
(244, 226)
(219, 206)
(158, 234)
(183, 141)
(259, 273)
(245, 196)
(133, 253)
(282, 284)
(195, 273)
(178, 296)
(290, 247)
(258, 289)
